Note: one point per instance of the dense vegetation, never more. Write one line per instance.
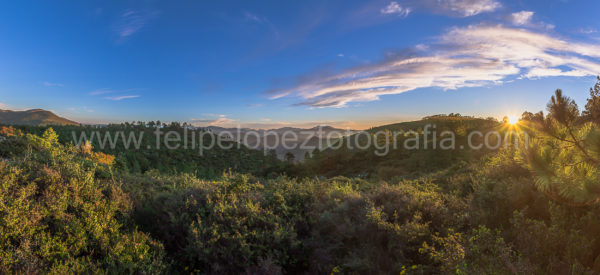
(405, 157)
(514, 210)
(147, 156)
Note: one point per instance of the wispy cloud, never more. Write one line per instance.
(131, 21)
(215, 115)
(587, 30)
(525, 19)
(220, 120)
(83, 109)
(5, 106)
(461, 8)
(101, 92)
(521, 18)
(252, 17)
(52, 84)
(257, 19)
(473, 56)
(470, 7)
(395, 8)
(121, 97)
(119, 94)
(266, 124)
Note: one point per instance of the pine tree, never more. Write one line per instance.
(592, 108)
(289, 157)
(564, 156)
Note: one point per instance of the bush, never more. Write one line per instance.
(56, 217)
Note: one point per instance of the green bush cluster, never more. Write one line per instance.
(56, 216)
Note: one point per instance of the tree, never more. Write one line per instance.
(272, 154)
(563, 109)
(564, 157)
(289, 157)
(592, 108)
(50, 138)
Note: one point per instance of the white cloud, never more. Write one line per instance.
(464, 57)
(265, 125)
(215, 115)
(257, 19)
(118, 98)
(101, 92)
(83, 109)
(51, 84)
(252, 17)
(545, 72)
(3, 105)
(525, 18)
(131, 21)
(457, 8)
(394, 8)
(521, 18)
(587, 30)
(104, 91)
(221, 121)
(465, 7)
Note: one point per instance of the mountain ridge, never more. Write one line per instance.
(36, 117)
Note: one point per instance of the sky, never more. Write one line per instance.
(269, 64)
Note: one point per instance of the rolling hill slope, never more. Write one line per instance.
(37, 117)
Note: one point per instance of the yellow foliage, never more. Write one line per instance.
(103, 158)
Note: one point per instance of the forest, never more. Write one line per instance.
(519, 209)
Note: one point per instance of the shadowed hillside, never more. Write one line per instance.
(33, 117)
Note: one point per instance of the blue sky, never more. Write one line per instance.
(278, 63)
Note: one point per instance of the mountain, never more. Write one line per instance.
(36, 117)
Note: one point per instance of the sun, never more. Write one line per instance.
(512, 120)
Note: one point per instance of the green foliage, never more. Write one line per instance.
(592, 107)
(56, 217)
(233, 225)
(147, 156)
(400, 161)
(565, 155)
(482, 251)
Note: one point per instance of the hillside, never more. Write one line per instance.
(271, 139)
(347, 159)
(37, 117)
(441, 121)
(208, 164)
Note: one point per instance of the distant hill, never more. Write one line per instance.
(309, 137)
(36, 117)
(440, 121)
(395, 160)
